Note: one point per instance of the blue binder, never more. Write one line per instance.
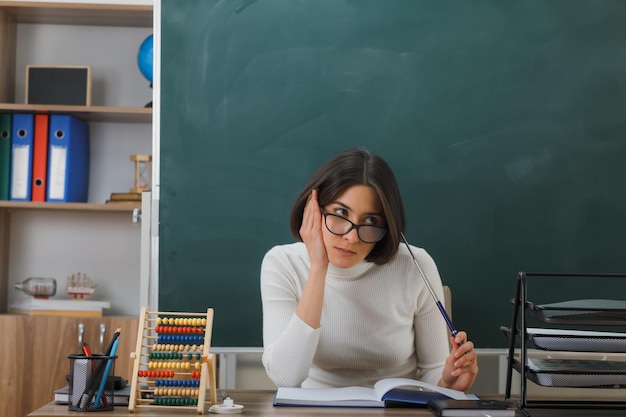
(68, 159)
(21, 156)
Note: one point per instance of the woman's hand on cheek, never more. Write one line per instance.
(311, 231)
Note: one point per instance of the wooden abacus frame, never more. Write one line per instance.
(144, 394)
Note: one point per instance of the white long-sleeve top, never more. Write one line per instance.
(378, 321)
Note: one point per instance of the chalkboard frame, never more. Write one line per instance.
(508, 157)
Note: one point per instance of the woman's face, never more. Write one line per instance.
(359, 204)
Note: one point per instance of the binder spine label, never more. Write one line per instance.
(56, 181)
(19, 178)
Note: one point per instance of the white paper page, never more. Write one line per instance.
(384, 385)
(565, 332)
(309, 395)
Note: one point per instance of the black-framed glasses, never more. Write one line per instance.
(340, 226)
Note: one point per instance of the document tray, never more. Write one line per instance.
(589, 312)
(575, 373)
(571, 340)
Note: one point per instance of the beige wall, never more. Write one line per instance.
(491, 378)
(250, 373)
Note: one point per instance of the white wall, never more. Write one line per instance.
(110, 51)
(58, 243)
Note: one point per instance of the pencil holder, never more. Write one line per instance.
(91, 386)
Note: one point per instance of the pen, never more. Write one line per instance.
(430, 289)
(96, 403)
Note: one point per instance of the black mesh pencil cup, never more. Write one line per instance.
(91, 382)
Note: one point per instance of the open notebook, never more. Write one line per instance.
(386, 392)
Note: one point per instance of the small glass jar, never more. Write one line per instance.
(38, 287)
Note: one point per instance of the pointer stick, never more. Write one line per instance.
(437, 301)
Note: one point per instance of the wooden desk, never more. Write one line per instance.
(259, 403)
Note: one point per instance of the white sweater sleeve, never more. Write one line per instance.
(289, 343)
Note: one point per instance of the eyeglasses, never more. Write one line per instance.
(340, 226)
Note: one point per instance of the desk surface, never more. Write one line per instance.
(259, 403)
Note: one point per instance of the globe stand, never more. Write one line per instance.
(149, 104)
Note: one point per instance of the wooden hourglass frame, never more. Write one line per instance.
(143, 166)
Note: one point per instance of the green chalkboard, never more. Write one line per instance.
(505, 122)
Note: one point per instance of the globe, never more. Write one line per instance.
(144, 58)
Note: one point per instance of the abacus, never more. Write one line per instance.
(172, 362)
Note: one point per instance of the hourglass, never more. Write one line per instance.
(143, 164)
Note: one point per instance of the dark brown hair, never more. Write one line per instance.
(357, 166)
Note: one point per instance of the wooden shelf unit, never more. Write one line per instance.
(87, 113)
(90, 14)
(35, 372)
(113, 207)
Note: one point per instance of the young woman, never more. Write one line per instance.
(346, 305)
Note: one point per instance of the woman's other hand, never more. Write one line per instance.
(461, 366)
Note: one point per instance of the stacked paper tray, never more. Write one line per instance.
(589, 312)
(572, 340)
(575, 373)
